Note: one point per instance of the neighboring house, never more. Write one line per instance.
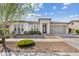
(44, 25)
(73, 25)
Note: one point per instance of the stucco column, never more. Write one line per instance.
(48, 28)
(41, 27)
(67, 29)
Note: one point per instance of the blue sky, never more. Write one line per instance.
(63, 12)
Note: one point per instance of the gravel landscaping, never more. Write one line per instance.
(49, 48)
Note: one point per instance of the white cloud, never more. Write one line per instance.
(38, 15)
(33, 14)
(37, 9)
(66, 4)
(54, 7)
(73, 17)
(38, 6)
(64, 7)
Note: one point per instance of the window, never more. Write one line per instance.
(14, 29)
(70, 30)
(22, 29)
(18, 29)
(34, 28)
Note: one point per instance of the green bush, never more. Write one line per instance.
(38, 32)
(77, 31)
(25, 32)
(31, 32)
(25, 43)
(35, 32)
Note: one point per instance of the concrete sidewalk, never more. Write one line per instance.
(37, 40)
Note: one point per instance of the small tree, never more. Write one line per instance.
(8, 13)
(77, 31)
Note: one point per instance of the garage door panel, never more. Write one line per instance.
(58, 29)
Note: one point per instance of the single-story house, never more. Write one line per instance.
(45, 26)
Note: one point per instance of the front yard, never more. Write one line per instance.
(47, 47)
(54, 44)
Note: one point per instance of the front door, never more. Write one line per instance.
(44, 28)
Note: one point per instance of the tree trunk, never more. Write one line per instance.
(3, 39)
(4, 44)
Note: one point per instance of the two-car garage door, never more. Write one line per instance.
(58, 29)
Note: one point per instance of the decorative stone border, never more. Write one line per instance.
(33, 54)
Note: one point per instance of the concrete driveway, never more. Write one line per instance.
(71, 39)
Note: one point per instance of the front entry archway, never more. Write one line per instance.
(45, 25)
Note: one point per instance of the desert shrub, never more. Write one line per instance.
(25, 43)
(77, 31)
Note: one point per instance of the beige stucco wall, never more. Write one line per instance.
(26, 26)
(30, 25)
(34, 26)
(11, 28)
(75, 25)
